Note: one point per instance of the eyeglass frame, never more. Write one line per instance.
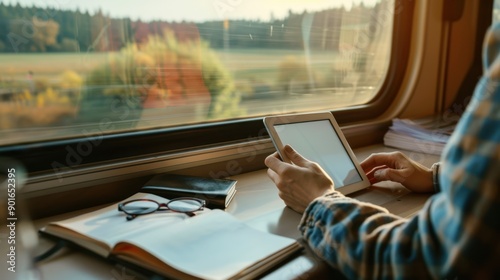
(189, 213)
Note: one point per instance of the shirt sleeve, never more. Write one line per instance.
(455, 234)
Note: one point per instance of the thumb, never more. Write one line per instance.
(295, 157)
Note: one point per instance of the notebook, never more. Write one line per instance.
(217, 193)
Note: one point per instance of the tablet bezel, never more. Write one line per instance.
(271, 121)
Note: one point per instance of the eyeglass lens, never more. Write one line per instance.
(139, 207)
(184, 205)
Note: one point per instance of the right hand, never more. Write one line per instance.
(298, 183)
(397, 167)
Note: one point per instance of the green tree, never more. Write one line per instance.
(45, 34)
(184, 72)
(33, 35)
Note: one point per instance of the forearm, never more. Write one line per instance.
(363, 240)
(455, 234)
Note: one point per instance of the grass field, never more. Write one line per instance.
(48, 65)
(255, 72)
(242, 63)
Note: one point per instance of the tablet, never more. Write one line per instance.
(318, 137)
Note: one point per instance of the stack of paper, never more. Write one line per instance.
(428, 135)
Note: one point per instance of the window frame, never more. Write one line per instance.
(47, 156)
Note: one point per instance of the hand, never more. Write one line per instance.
(298, 183)
(399, 168)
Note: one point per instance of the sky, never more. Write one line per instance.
(193, 10)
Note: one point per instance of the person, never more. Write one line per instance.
(454, 236)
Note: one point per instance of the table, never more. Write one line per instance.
(257, 203)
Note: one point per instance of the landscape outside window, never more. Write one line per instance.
(496, 11)
(76, 68)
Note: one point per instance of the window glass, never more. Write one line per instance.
(76, 68)
(496, 11)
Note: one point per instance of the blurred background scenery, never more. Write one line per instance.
(75, 68)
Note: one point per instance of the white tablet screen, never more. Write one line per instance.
(319, 142)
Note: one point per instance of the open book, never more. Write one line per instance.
(211, 245)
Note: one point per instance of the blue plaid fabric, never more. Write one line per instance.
(457, 233)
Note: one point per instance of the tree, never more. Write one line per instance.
(181, 73)
(45, 33)
(34, 35)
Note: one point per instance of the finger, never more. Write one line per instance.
(389, 174)
(370, 173)
(279, 183)
(295, 157)
(371, 162)
(371, 176)
(377, 160)
(273, 176)
(271, 161)
(276, 155)
(275, 164)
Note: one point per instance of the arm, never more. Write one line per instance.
(456, 233)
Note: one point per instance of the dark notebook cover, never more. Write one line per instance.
(218, 193)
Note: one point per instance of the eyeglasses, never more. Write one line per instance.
(136, 207)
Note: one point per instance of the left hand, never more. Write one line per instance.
(298, 183)
(398, 167)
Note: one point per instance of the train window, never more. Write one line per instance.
(496, 11)
(73, 68)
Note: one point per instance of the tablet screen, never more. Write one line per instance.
(318, 141)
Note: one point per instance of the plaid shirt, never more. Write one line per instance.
(457, 233)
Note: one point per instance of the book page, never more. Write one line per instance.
(214, 245)
(102, 229)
